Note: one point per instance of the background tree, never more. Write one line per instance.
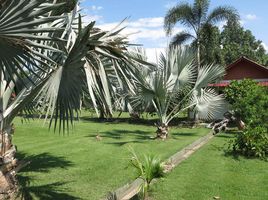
(237, 42)
(197, 19)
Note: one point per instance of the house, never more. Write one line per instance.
(244, 68)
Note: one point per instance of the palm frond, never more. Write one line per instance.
(200, 9)
(61, 94)
(208, 74)
(181, 38)
(182, 13)
(222, 13)
(20, 24)
(208, 104)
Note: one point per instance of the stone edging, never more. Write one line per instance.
(130, 190)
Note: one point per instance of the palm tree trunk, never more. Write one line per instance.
(8, 164)
(162, 131)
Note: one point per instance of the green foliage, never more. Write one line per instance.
(148, 169)
(234, 47)
(249, 101)
(225, 47)
(251, 143)
(210, 48)
(68, 6)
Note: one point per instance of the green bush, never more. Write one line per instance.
(249, 102)
(253, 142)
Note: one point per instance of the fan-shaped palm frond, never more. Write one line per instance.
(20, 39)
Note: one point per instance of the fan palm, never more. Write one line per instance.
(197, 18)
(55, 60)
(177, 85)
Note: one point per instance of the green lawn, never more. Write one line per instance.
(209, 173)
(76, 166)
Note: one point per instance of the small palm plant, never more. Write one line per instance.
(147, 169)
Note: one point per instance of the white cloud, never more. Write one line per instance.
(153, 53)
(265, 46)
(148, 22)
(96, 8)
(242, 22)
(89, 18)
(143, 28)
(251, 17)
(222, 24)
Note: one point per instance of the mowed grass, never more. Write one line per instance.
(209, 173)
(77, 166)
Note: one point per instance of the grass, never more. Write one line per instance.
(208, 173)
(77, 166)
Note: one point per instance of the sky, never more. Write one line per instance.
(145, 19)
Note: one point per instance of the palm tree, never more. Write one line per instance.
(47, 61)
(197, 18)
(176, 85)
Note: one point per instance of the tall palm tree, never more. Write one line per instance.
(196, 18)
(54, 59)
(176, 85)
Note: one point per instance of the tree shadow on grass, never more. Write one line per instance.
(124, 136)
(141, 121)
(120, 134)
(50, 191)
(178, 134)
(43, 163)
(180, 121)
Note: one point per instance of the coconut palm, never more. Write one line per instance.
(196, 18)
(47, 62)
(177, 85)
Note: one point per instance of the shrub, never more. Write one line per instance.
(249, 102)
(253, 142)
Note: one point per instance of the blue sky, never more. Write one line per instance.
(146, 18)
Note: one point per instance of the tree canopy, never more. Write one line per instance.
(237, 42)
(198, 18)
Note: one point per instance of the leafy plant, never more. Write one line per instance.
(148, 168)
(253, 142)
(249, 102)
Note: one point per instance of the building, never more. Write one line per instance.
(244, 68)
